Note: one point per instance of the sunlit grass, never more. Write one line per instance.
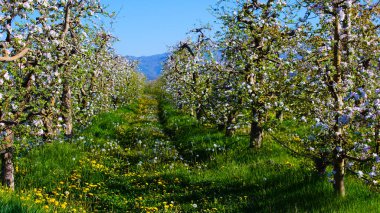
(149, 157)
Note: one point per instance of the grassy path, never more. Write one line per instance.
(193, 168)
(148, 157)
(173, 164)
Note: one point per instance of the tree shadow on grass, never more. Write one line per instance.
(282, 192)
(194, 143)
(269, 185)
(271, 195)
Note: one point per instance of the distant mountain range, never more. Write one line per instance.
(152, 65)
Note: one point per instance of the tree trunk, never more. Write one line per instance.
(377, 137)
(7, 169)
(221, 127)
(198, 112)
(229, 131)
(338, 161)
(67, 108)
(257, 133)
(347, 27)
(280, 115)
(339, 176)
(230, 121)
(49, 130)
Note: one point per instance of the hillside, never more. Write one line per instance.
(151, 66)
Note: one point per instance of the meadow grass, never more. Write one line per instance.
(150, 157)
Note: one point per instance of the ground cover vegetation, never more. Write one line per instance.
(277, 112)
(150, 157)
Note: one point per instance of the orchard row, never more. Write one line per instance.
(315, 62)
(57, 70)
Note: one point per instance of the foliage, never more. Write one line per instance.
(57, 71)
(313, 61)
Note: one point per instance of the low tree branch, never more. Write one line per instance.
(15, 57)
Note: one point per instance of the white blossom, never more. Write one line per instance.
(360, 174)
(6, 76)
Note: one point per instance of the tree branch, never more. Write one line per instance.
(15, 57)
(357, 159)
(66, 25)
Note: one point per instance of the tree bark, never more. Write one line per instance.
(338, 161)
(377, 137)
(7, 169)
(67, 108)
(339, 176)
(198, 112)
(257, 133)
(347, 26)
(230, 121)
(49, 130)
(48, 112)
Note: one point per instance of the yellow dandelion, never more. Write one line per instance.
(93, 185)
(51, 200)
(64, 205)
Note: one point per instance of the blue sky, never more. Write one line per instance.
(147, 27)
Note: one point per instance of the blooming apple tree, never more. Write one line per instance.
(48, 50)
(253, 42)
(338, 72)
(188, 74)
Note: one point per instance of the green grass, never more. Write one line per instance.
(15, 203)
(151, 157)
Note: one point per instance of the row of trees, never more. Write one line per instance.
(57, 70)
(314, 61)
